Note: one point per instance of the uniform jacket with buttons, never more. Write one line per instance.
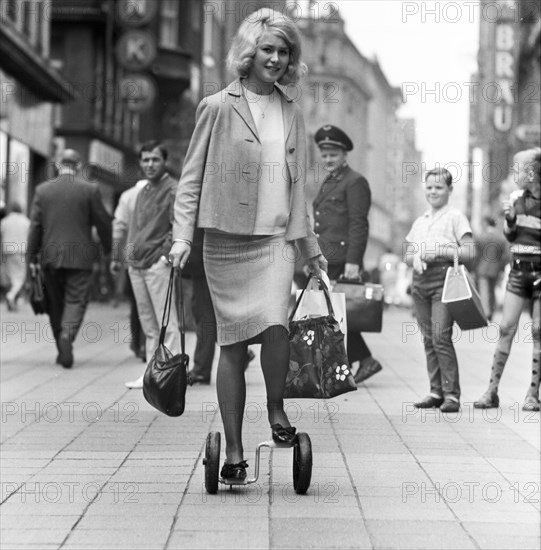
(341, 217)
(218, 187)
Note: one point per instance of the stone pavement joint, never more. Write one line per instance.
(87, 463)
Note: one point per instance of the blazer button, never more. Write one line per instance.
(292, 150)
(317, 212)
(317, 224)
(316, 234)
(342, 243)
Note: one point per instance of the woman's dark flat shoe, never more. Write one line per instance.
(281, 434)
(234, 471)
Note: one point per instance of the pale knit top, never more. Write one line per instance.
(273, 192)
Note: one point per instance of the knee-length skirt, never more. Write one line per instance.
(250, 279)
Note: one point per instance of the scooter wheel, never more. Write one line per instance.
(212, 462)
(302, 463)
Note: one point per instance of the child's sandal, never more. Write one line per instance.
(531, 404)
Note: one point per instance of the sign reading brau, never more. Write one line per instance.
(504, 69)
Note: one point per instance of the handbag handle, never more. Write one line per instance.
(167, 310)
(455, 262)
(325, 292)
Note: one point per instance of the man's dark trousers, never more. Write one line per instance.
(67, 292)
(205, 328)
(357, 349)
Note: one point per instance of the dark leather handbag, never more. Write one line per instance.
(166, 377)
(318, 361)
(364, 304)
(38, 298)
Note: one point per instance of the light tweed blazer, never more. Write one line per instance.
(218, 187)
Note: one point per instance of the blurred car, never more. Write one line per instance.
(395, 276)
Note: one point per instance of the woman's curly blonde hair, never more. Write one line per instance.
(241, 54)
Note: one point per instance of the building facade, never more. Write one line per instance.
(505, 115)
(30, 87)
(406, 194)
(133, 67)
(348, 90)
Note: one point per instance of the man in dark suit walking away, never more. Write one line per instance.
(60, 240)
(341, 226)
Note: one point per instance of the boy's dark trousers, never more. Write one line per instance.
(436, 326)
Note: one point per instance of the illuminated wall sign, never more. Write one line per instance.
(138, 91)
(136, 50)
(505, 69)
(134, 13)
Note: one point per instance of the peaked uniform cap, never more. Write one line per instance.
(333, 136)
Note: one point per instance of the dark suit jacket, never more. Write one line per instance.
(341, 217)
(63, 214)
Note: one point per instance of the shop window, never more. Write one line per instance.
(169, 23)
(10, 12)
(3, 166)
(32, 17)
(19, 173)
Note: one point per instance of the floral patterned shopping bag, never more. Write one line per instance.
(318, 362)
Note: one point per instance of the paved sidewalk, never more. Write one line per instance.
(87, 463)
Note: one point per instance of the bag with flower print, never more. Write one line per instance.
(318, 361)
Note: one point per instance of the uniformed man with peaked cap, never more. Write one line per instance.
(341, 225)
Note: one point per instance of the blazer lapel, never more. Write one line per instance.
(240, 105)
(288, 114)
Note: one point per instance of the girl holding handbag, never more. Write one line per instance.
(243, 182)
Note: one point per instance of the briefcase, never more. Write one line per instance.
(462, 299)
(38, 298)
(364, 304)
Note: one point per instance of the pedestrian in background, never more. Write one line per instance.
(435, 238)
(13, 234)
(123, 217)
(523, 230)
(250, 221)
(63, 213)
(148, 243)
(203, 313)
(341, 226)
(491, 259)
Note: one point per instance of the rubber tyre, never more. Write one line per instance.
(302, 463)
(212, 462)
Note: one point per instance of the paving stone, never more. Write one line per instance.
(372, 454)
(219, 539)
(118, 539)
(31, 536)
